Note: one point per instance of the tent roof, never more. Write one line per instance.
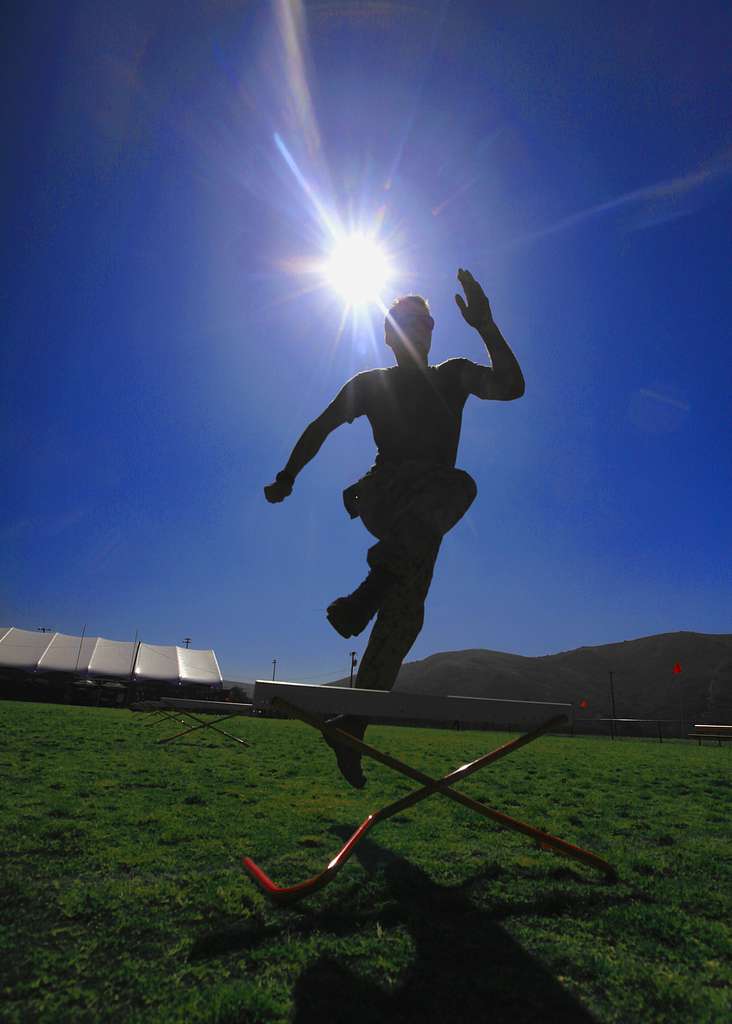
(29, 651)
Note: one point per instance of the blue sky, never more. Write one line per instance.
(163, 347)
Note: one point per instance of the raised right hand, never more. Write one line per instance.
(477, 310)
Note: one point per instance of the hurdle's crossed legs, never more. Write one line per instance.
(202, 724)
(293, 893)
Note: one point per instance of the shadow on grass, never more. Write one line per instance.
(465, 966)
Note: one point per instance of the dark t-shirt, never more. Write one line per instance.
(414, 413)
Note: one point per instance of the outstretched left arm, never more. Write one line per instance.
(503, 380)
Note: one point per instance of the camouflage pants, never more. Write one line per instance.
(409, 507)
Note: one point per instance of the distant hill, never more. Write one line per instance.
(644, 680)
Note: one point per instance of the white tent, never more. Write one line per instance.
(94, 657)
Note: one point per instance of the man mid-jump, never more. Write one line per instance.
(413, 494)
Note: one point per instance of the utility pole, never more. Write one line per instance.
(354, 662)
(677, 671)
(187, 642)
(612, 704)
(274, 668)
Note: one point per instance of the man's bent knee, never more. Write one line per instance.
(452, 501)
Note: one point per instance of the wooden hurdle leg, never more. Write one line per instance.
(545, 839)
(204, 725)
(430, 786)
(161, 716)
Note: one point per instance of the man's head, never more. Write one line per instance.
(408, 329)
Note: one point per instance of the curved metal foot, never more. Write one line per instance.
(293, 893)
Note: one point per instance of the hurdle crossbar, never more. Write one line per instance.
(394, 704)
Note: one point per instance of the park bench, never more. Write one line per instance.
(720, 733)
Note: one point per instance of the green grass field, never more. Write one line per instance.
(123, 898)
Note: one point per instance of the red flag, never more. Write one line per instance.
(677, 668)
(583, 704)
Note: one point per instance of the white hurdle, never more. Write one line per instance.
(415, 707)
(311, 704)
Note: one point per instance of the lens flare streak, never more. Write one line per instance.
(355, 264)
(326, 220)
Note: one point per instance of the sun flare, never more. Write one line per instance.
(358, 269)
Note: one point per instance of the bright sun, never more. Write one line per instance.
(358, 269)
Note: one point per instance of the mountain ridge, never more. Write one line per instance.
(644, 682)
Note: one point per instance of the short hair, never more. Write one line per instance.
(403, 299)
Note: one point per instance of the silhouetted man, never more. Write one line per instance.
(413, 494)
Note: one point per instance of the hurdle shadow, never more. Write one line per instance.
(465, 967)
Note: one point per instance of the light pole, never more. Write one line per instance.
(612, 705)
(677, 671)
(187, 642)
(354, 662)
(274, 668)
